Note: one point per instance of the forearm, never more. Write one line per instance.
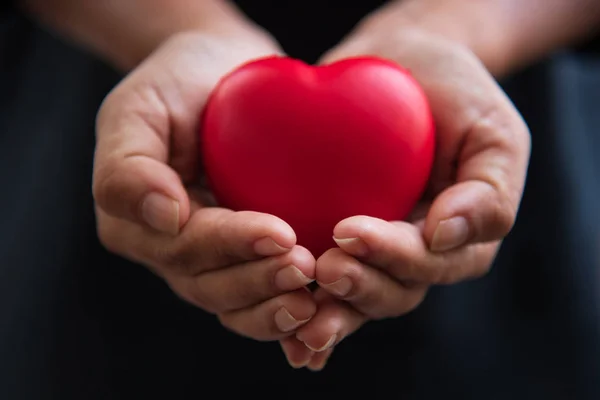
(124, 32)
(505, 34)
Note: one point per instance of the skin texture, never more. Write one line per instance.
(149, 211)
(383, 269)
(243, 267)
(505, 34)
(124, 33)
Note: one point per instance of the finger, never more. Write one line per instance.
(248, 284)
(131, 179)
(400, 250)
(274, 319)
(150, 120)
(483, 144)
(482, 205)
(319, 360)
(135, 139)
(296, 353)
(334, 321)
(369, 290)
(212, 239)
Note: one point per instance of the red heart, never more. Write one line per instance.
(315, 145)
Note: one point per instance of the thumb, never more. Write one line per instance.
(482, 205)
(147, 138)
(132, 179)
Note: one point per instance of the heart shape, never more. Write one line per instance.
(316, 144)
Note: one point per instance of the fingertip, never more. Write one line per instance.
(317, 345)
(297, 270)
(142, 190)
(295, 311)
(450, 234)
(274, 319)
(452, 202)
(355, 246)
(303, 259)
(356, 226)
(299, 303)
(297, 354)
(319, 360)
(323, 331)
(468, 212)
(334, 271)
(364, 237)
(268, 247)
(283, 233)
(271, 235)
(163, 213)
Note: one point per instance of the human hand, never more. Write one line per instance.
(384, 269)
(242, 266)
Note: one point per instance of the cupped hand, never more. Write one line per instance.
(244, 267)
(383, 269)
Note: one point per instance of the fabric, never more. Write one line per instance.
(79, 323)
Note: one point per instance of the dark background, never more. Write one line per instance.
(78, 323)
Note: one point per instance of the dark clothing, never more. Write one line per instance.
(79, 323)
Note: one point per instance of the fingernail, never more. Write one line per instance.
(340, 288)
(301, 364)
(295, 363)
(317, 367)
(355, 246)
(286, 322)
(268, 247)
(161, 213)
(291, 278)
(298, 365)
(326, 346)
(450, 234)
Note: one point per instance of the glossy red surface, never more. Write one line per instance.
(314, 145)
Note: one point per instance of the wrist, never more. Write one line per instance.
(124, 33)
(473, 24)
(237, 45)
(504, 34)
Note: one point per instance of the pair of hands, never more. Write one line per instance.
(245, 267)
